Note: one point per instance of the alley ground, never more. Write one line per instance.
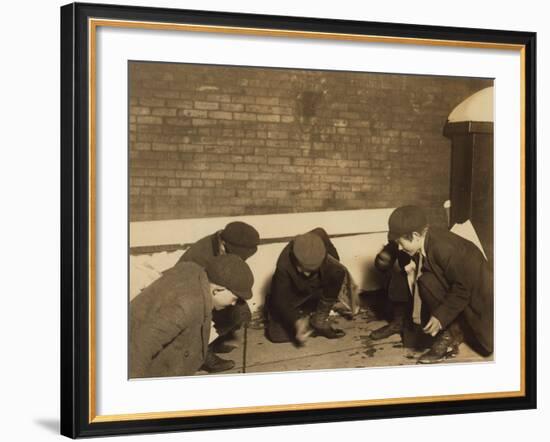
(355, 350)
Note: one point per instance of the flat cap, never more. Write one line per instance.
(231, 272)
(240, 239)
(309, 250)
(405, 220)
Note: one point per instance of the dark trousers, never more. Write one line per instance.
(432, 293)
(232, 318)
(400, 299)
(397, 286)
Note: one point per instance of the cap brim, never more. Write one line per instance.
(246, 295)
(243, 252)
(310, 268)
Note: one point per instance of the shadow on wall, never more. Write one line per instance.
(357, 253)
(358, 235)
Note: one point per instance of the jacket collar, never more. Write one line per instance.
(217, 248)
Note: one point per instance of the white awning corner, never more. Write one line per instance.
(477, 107)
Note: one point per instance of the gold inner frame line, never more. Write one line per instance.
(299, 34)
(93, 24)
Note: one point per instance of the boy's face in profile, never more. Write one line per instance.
(410, 244)
(222, 297)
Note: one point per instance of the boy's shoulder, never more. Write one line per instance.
(443, 243)
(438, 242)
(440, 234)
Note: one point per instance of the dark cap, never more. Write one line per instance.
(405, 220)
(309, 250)
(233, 273)
(240, 239)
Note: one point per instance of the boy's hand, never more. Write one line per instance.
(386, 257)
(303, 330)
(433, 327)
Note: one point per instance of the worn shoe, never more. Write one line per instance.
(328, 332)
(215, 364)
(394, 327)
(221, 347)
(320, 323)
(444, 347)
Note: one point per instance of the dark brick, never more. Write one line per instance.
(223, 141)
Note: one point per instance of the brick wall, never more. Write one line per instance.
(222, 141)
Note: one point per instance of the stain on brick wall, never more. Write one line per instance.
(222, 141)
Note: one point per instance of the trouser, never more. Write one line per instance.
(399, 305)
(433, 293)
(397, 286)
(231, 318)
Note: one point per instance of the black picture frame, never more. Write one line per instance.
(76, 404)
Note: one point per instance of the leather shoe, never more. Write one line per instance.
(221, 347)
(386, 331)
(445, 346)
(215, 364)
(328, 332)
(320, 322)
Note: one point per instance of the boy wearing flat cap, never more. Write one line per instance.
(237, 238)
(307, 279)
(170, 321)
(453, 287)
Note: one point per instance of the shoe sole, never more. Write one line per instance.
(383, 337)
(224, 351)
(318, 334)
(216, 370)
(449, 355)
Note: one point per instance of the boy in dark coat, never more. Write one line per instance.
(454, 282)
(396, 285)
(308, 278)
(170, 321)
(236, 238)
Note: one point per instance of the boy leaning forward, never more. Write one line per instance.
(453, 289)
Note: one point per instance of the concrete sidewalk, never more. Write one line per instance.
(355, 350)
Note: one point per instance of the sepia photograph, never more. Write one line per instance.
(285, 220)
(276, 220)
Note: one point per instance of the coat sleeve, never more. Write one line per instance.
(459, 271)
(283, 297)
(152, 332)
(334, 275)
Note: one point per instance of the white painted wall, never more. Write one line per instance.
(356, 252)
(187, 231)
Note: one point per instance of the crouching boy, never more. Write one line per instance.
(170, 321)
(237, 238)
(453, 287)
(305, 286)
